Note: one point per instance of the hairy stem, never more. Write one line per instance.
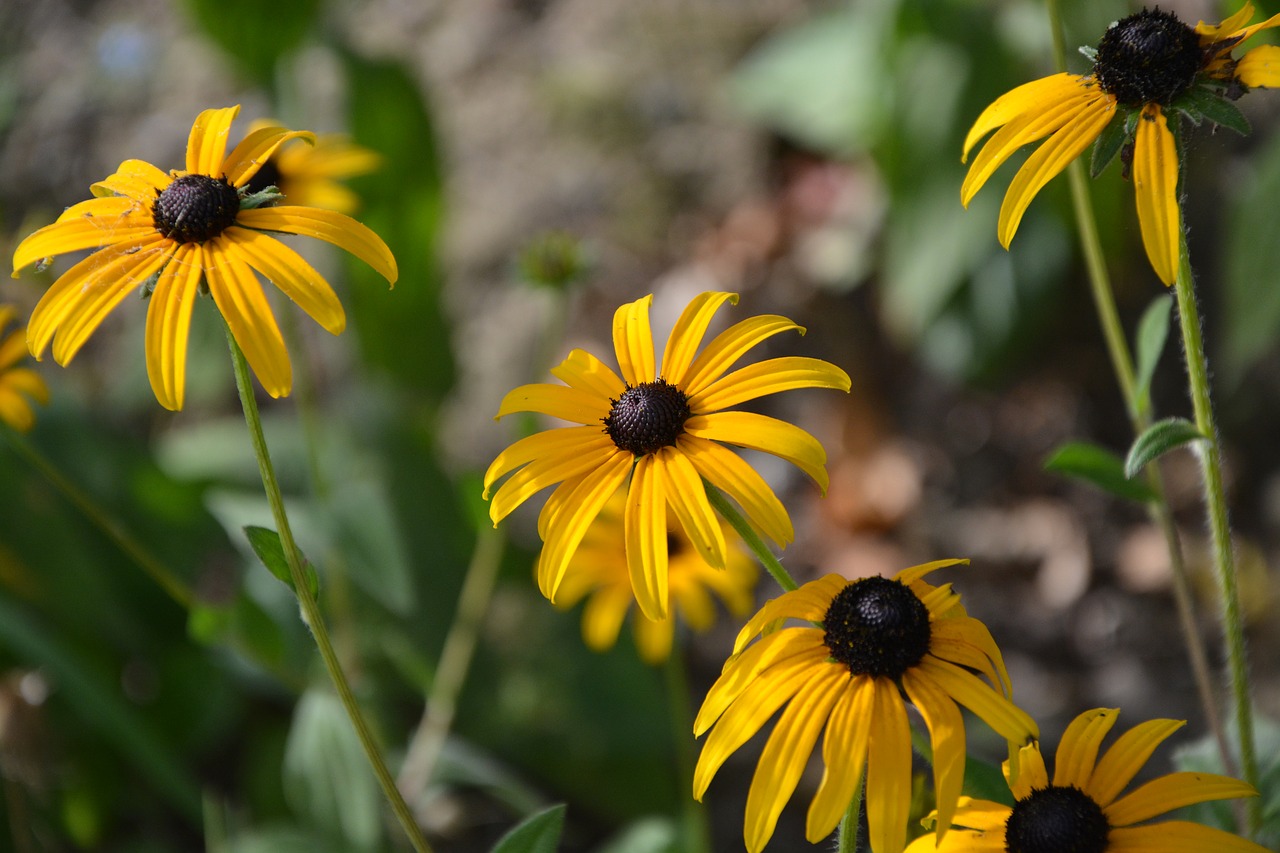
(750, 537)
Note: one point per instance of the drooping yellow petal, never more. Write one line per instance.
(255, 150)
(1171, 792)
(579, 508)
(602, 617)
(14, 348)
(810, 603)
(557, 401)
(1177, 836)
(645, 532)
(1155, 182)
(208, 141)
(654, 638)
(734, 476)
(768, 377)
(240, 300)
(761, 432)
(1126, 757)
(1030, 774)
(135, 179)
(582, 370)
(966, 641)
(169, 325)
(1050, 159)
(98, 296)
(946, 733)
(1024, 99)
(729, 346)
(15, 410)
(286, 269)
(82, 232)
(688, 499)
(1008, 720)
(553, 442)
(786, 754)
(1260, 67)
(1078, 749)
(633, 341)
(686, 335)
(543, 472)
(888, 770)
(330, 226)
(783, 649)
(844, 757)
(915, 573)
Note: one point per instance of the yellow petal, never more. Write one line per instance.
(1171, 792)
(1211, 33)
(967, 641)
(888, 771)
(1235, 37)
(134, 179)
(603, 616)
(1155, 181)
(633, 341)
(208, 141)
(768, 377)
(113, 207)
(1126, 757)
(1029, 97)
(784, 649)
(286, 269)
(97, 297)
(584, 371)
(1260, 67)
(1048, 160)
(16, 411)
(558, 401)
(810, 602)
(239, 297)
(761, 432)
(686, 335)
(1031, 773)
(646, 536)
(946, 733)
(581, 506)
(82, 232)
(570, 441)
(1078, 749)
(688, 499)
(844, 756)
(543, 472)
(732, 475)
(914, 573)
(255, 150)
(729, 346)
(169, 324)
(1177, 836)
(654, 638)
(982, 815)
(1007, 719)
(27, 382)
(330, 226)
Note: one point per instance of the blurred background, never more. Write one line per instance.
(803, 154)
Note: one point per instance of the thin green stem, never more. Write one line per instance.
(847, 831)
(750, 537)
(697, 832)
(310, 609)
(1210, 453)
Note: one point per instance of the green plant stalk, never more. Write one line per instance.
(1210, 454)
(750, 537)
(847, 831)
(1140, 416)
(696, 830)
(310, 609)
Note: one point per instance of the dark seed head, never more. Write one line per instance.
(1150, 57)
(647, 417)
(196, 208)
(1057, 820)
(876, 626)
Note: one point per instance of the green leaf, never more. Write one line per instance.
(266, 544)
(1109, 143)
(985, 781)
(1153, 331)
(1098, 466)
(254, 34)
(1199, 104)
(537, 834)
(1159, 439)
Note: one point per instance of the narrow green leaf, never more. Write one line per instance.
(266, 544)
(1153, 331)
(1159, 439)
(537, 834)
(1199, 104)
(1098, 466)
(1108, 144)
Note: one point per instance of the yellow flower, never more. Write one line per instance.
(308, 175)
(869, 640)
(598, 572)
(659, 430)
(1148, 67)
(188, 230)
(19, 386)
(1082, 810)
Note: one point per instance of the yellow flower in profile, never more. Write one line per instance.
(659, 432)
(309, 175)
(1082, 809)
(866, 643)
(189, 230)
(19, 386)
(598, 572)
(1149, 68)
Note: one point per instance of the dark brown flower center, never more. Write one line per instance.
(1056, 820)
(876, 626)
(1150, 57)
(196, 208)
(647, 417)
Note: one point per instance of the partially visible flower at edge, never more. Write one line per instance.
(190, 231)
(1149, 68)
(1081, 809)
(868, 641)
(598, 572)
(19, 386)
(309, 175)
(659, 432)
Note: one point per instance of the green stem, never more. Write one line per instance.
(310, 609)
(1219, 528)
(697, 832)
(847, 832)
(750, 537)
(1140, 416)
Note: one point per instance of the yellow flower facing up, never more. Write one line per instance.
(1082, 809)
(659, 432)
(309, 175)
(866, 643)
(1149, 69)
(189, 232)
(19, 386)
(598, 573)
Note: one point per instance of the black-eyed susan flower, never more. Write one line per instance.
(185, 232)
(1082, 810)
(598, 573)
(310, 174)
(660, 432)
(1149, 70)
(868, 642)
(19, 386)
